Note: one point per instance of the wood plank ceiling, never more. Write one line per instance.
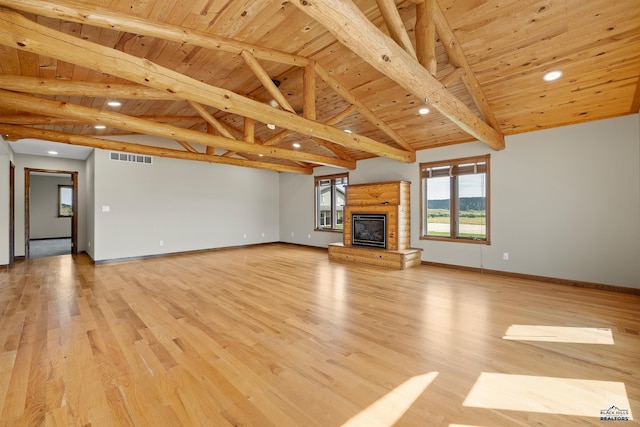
(210, 75)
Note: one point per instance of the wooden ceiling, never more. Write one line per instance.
(211, 74)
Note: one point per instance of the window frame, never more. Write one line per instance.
(60, 188)
(316, 197)
(454, 198)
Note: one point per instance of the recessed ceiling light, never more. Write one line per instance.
(296, 145)
(348, 131)
(260, 155)
(552, 75)
(424, 110)
(53, 153)
(271, 126)
(100, 127)
(114, 103)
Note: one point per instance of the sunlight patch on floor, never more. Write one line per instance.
(387, 410)
(566, 334)
(565, 396)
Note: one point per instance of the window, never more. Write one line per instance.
(65, 200)
(455, 200)
(330, 200)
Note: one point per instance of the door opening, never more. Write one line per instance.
(65, 205)
(12, 216)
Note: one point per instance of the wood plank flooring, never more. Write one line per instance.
(276, 335)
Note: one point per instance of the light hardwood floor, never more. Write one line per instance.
(276, 335)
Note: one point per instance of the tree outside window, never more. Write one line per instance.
(65, 200)
(455, 200)
(330, 195)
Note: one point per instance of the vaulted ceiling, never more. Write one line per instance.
(241, 81)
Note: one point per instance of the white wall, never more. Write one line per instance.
(50, 163)
(43, 207)
(185, 204)
(565, 203)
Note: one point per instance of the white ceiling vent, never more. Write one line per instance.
(132, 158)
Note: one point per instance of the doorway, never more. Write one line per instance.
(64, 209)
(12, 216)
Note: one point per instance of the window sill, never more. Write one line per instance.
(328, 230)
(448, 239)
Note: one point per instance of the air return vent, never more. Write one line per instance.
(132, 158)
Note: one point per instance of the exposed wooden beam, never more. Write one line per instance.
(453, 76)
(210, 119)
(349, 25)
(342, 115)
(238, 133)
(211, 131)
(249, 130)
(362, 108)
(30, 119)
(277, 137)
(458, 59)
(186, 146)
(396, 27)
(267, 81)
(336, 149)
(19, 132)
(23, 34)
(309, 91)
(121, 121)
(75, 11)
(40, 86)
(425, 31)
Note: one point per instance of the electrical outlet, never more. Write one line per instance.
(161, 242)
(244, 235)
(308, 236)
(505, 256)
(292, 234)
(262, 234)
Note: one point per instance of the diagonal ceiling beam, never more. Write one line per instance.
(458, 59)
(267, 81)
(186, 146)
(211, 120)
(352, 28)
(396, 27)
(18, 132)
(363, 109)
(23, 34)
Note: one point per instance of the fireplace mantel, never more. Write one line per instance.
(386, 198)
